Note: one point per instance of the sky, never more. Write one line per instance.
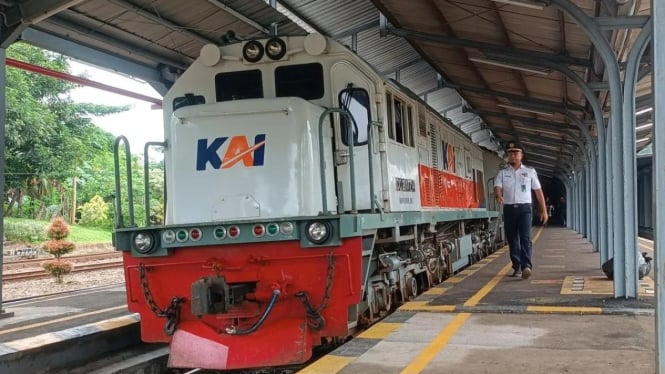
(140, 124)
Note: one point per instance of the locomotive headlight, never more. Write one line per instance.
(318, 232)
(144, 242)
(275, 48)
(252, 51)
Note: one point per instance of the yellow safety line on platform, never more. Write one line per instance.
(421, 361)
(380, 330)
(475, 299)
(424, 306)
(424, 358)
(49, 322)
(327, 364)
(564, 309)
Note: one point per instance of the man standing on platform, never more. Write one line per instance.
(512, 188)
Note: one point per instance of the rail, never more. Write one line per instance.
(146, 177)
(352, 176)
(119, 220)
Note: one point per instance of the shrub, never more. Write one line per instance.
(95, 212)
(58, 268)
(58, 230)
(58, 248)
(26, 232)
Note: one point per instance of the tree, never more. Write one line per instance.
(48, 136)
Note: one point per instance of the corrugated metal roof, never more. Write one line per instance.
(472, 93)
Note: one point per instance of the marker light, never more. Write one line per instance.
(219, 233)
(168, 236)
(233, 232)
(181, 236)
(272, 229)
(143, 242)
(286, 228)
(195, 234)
(258, 230)
(252, 51)
(275, 48)
(318, 232)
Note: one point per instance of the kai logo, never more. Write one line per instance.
(235, 149)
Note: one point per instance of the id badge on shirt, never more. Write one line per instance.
(524, 188)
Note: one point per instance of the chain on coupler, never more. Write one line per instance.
(171, 313)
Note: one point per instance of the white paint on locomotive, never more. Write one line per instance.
(241, 159)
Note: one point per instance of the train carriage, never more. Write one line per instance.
(306, 197)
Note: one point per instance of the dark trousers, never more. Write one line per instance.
(517, 221)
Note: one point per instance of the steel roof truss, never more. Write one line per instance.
(552, 106)
(485, 47)
(20, 17)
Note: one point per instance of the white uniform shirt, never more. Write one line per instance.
(517, 184)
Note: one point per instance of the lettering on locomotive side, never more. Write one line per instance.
(236, 150)
(448, 156)
(407, 185)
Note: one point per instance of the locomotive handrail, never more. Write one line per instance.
(372, 198)
(146, 179)
(118, 191)
(322, 164)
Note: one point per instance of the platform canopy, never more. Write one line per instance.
(492, 67)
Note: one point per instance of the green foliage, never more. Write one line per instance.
(48, 137)
(34, 232)
(25, 231)
(95, 212)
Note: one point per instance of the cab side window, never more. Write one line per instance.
(400, 123)
(356, 102)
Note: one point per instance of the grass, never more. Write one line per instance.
(78, 234)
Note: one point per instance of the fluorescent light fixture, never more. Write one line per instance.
(645, 126)
(294, 18)
(642, 140)
(645, 110)
(538, 131)
(554, 148)
(509, 66)
(523, 3)
(534, 154)
(525, 109)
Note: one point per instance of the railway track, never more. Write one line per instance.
(31, 269)
(35, 262)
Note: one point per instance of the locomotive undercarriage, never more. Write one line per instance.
(407, 260)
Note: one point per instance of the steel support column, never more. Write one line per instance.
(593, 193)
(3, 117)
(658, 77)
(629, 159)
(625, 279)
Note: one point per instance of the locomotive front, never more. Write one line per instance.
(244, 272)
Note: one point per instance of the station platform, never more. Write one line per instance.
(563, 319)
(60, 318)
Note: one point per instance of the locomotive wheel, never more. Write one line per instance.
(412, 287)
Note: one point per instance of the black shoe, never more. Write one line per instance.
(517, 273)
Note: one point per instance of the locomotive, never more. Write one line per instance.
(306, 197)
